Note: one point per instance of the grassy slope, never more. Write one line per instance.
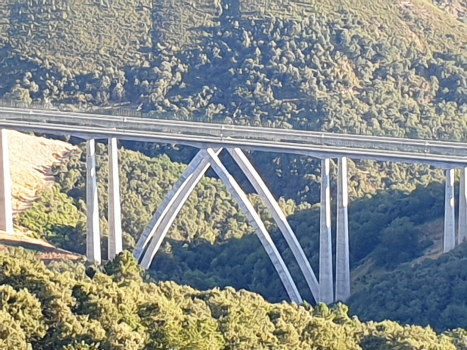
(31, 160)
(80, 35)
(428, 292)
(390, 18)
(45, 251)
(368, 272)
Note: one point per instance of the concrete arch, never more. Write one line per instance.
(161, 228)
(166, 214)
(169, 209)
(255, 179)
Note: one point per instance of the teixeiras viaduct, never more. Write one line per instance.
(211, 139)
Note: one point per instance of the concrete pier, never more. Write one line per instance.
(6, 209)
(462, 229)
(93, 237)
(342, 237)
(257, 224)
(326, 294)
(166, 214)
(449, 223)
(263, 191)
(115, 243)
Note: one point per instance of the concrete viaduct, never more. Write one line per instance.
(211, 139)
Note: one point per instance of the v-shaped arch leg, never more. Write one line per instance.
(257, 224)
(261, 188)
(167, 212)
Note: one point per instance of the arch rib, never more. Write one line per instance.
(261, 188)
(166, 213)
(257, 224)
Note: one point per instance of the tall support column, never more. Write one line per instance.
(261, 188)
(326, 294)
(170, 207)
(115, 216)
(6, 209)
(342, 239)
(257, 224)
(93, 237)
(449, 223)
(168, 211)
(462, 232)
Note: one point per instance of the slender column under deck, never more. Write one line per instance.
(166, 214)
(6, 210)
(115, 216)
(325, 242)
(261, 188)
(462, 232)
(449, 223)
(93, 237)
(257, 224)
(342, 237)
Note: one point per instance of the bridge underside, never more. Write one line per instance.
(328, 289)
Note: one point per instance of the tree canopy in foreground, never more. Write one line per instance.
(74, 306)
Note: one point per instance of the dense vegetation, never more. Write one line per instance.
(431, 292)
(71, 306)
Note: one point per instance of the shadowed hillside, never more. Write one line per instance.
(431, 292)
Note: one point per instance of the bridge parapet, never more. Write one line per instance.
(203, 135)
(182, 123)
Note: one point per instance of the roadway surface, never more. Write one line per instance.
(202, 135)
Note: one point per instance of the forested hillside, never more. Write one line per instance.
(71, 306)
(389, 67)
(384, 68)
(431, 292)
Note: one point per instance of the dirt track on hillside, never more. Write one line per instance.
(46, 251)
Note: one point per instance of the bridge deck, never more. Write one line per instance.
(312, 143)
